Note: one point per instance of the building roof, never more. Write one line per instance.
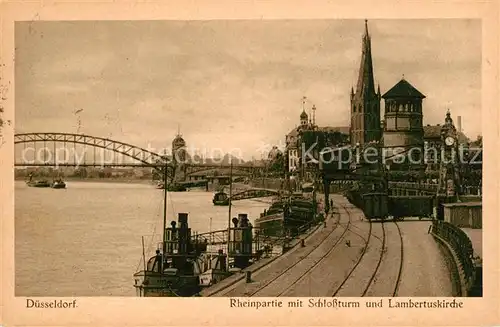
(328, 129)
(293, 133)
(303, 115)
(463, 204)
(366, 83)
(434, 131)
(178, 141)
(332, 129)
(403, 89)
(219, 172)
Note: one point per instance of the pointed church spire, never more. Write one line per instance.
(366, 85)
(313, 114)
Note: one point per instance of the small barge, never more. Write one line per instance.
(59, 184)
(286, 215)
(171, 187)
(220, 199)
(40, 183)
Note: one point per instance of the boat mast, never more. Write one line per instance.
(164, 243)
(143, 253)
(229, 215)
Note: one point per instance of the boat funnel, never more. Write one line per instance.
(183, 219)
(243, 219)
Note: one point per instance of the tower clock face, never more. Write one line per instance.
(449, 141)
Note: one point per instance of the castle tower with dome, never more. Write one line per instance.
(179, 156)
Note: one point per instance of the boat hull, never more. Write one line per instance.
(220, 203)
(154, 284)
(59, 186)
(271, 225)
(274, 223)
(220, 199)
(212, 276)
(172, 188)
(38, 184)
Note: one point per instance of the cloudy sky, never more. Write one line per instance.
(232, 84)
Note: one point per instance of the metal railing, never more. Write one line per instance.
(217, 240)
(432, 187)
(460, 243)
(414, 186)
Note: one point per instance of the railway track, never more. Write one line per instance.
(398, 278)
(348, 227)
(226, 291)
(382, 251)
(296, 263)
(322, 257)
(367, 241)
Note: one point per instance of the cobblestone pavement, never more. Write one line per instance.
(424, 268)
(362, 274)
(387, 275)
(287, 262)
(355, 258)
(276, 279)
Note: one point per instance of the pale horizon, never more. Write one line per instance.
(232, 84)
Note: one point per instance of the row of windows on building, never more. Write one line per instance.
(393, 106)
(431, 153)
(359, 108)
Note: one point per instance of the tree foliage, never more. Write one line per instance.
(275, 161)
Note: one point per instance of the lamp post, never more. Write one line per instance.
(229, 214)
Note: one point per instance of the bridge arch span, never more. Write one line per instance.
(142, 155)
(199, 169)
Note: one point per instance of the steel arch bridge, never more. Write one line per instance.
(145, 157)
(141, 157)
(238, 170)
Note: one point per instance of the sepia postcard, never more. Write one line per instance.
(249, 163)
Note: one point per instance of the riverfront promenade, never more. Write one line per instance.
(350, 257)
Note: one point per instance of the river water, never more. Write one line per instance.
(86, 240)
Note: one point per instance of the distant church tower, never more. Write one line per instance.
(403, 119)
(450, 178)
(303, 119)
(365, 103)
(179, 155)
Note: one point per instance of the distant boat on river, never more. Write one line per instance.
(220, 199)
(40, 183)
(171, 188)
(59, 184)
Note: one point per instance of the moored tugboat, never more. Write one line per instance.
(175, 270)
(182, 266)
